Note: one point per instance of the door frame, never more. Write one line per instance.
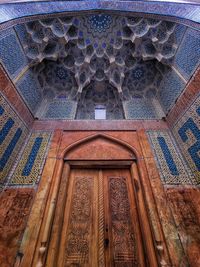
(52, 219)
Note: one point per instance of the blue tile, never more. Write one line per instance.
(10, 125)
(170, 88)
(188, 55)
(11, 53)
(172, 166)
(30, 165)
(30, 90)
(61, 109)
(179, 32)
(168, 157)
(22, 32)
(193, 150)
(100, 22)
(184, 11)
(32, 156)
(7, 153)
(194, 153)
(1, 110)
(189, 125)
(198, 111)
(139, 109)
(5, 130)
(186, 130)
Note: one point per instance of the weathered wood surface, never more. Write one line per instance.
(125, 247)
(15, 205)
(56, 232)
(149, 245)
(185, 206)
(100, 226)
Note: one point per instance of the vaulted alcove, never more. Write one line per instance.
(99, 133)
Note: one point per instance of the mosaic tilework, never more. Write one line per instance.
(170, 88)
(11, 53)
(20, 10)
(172, 167)
(12, 135)
(179, 32)
(61, 109)
(100, 22)
(190, 46)
(168, 156)
(30, 90)
(21, 32)
(187, 134)
(139, 108)
(30, 165)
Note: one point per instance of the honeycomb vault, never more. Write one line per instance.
(99, 59)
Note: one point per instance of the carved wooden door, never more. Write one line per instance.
(100, 226)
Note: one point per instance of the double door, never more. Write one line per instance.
(100, 226)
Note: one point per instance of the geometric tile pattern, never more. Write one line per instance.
(61, 109)
(179, 32)
(67, 54)
(190, 46)
(167, 155)
(21, 32)
(140, 108)
(171, 87)
(31, 162)
(11, 53)
(30, 90)
(99, 24)
(187, 12)
(12, 135)
(186, 131)
(172, 166)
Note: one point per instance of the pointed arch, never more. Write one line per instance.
(136, 155)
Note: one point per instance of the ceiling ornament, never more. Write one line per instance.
(131, 54)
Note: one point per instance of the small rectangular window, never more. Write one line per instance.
(100, 113)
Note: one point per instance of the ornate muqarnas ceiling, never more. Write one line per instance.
(74, 57)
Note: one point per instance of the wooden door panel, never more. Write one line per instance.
(79, 235)
(121, 219)
(100, 224)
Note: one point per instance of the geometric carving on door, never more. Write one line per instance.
(80, 221)
(100, 226)
(123, 237)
